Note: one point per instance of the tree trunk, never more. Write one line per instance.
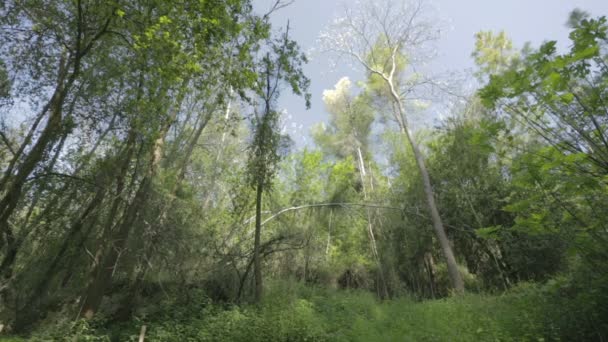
(92, 297)
(455, 277)
(36, 301)
(65, 81)
(50, 133)
(15, 187)
(102, 281)
(430, 267)
(370, 229)
(257, 263)
(328, 246)
(102, 278)
(69, 238)
(13, 193)
(24, 144)
(6, 267)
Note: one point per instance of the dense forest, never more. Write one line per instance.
(149, 191)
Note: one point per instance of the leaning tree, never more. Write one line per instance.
(390, 39)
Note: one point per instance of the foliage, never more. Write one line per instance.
(493, 52)
(560, 184)
(146, 179)
(299, 313)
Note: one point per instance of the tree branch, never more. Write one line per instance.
(8, 144)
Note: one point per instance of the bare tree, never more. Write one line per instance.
(389, 38)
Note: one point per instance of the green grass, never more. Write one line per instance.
(357, 316)
(292, 312)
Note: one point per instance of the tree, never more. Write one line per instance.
(72, 32)
(111, 82)
(5, 83)
(384, 37)
(493, 52)
(180, 56)
(561, 99)
(281, 65)
(346, 136)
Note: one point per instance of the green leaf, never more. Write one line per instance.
(567, 98)
(164, 20)
(488, 232)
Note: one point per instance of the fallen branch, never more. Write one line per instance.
(305, 206)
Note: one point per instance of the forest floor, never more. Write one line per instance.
(293, 312)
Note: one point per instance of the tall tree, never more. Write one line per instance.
(281, 65)
(68, 32)
(384, 37)
(180, 57)
(348, 135)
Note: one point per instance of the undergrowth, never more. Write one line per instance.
(294, 312)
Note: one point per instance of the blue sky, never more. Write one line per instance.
(524, 21)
